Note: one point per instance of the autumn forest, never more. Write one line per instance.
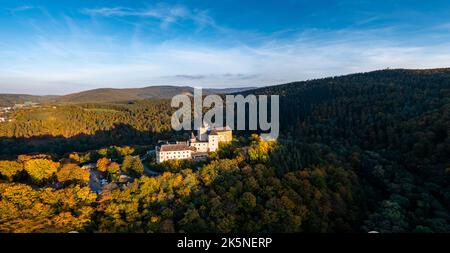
(356, 153)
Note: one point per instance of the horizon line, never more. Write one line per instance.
(224, 88)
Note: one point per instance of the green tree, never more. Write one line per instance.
(248, 201)
(132, 166)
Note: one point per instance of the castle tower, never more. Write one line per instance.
(193, 139)
(203, 133)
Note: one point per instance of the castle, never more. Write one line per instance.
(197, 147)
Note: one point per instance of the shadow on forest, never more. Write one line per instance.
(120, 134)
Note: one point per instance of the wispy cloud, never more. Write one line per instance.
(226, 76)
(66, 54)
(22, 8)
(189, 77)
(179, 63)
(166, 14)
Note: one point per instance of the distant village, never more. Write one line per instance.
(4, 111)
(197, 147)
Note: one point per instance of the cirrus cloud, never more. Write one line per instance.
(166, 14)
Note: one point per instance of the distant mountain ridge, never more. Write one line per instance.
(111, 95)
(11, 99)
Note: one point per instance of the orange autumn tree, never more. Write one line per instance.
(72, 173)
(113, 168)
(103, 163)
(74, 157)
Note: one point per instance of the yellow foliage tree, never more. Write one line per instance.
(21, 195)
(72, 172)
(9, 169)
(113, 167)
(124, 151)
(41, 169)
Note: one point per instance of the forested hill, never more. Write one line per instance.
(375, 110)
(11, 99)
(372, 110)
(392, 127)
(122, 95)
(357, 153)
(110, 95)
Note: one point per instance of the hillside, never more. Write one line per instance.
(361, 152)
(11, 99)
(391, 127)
(109, 95)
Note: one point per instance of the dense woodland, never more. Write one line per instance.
(65, 128)
(239, 190)
(357, 153)
(392, 128)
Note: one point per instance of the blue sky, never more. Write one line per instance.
(58, 47)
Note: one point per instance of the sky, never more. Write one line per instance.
(59, 46)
